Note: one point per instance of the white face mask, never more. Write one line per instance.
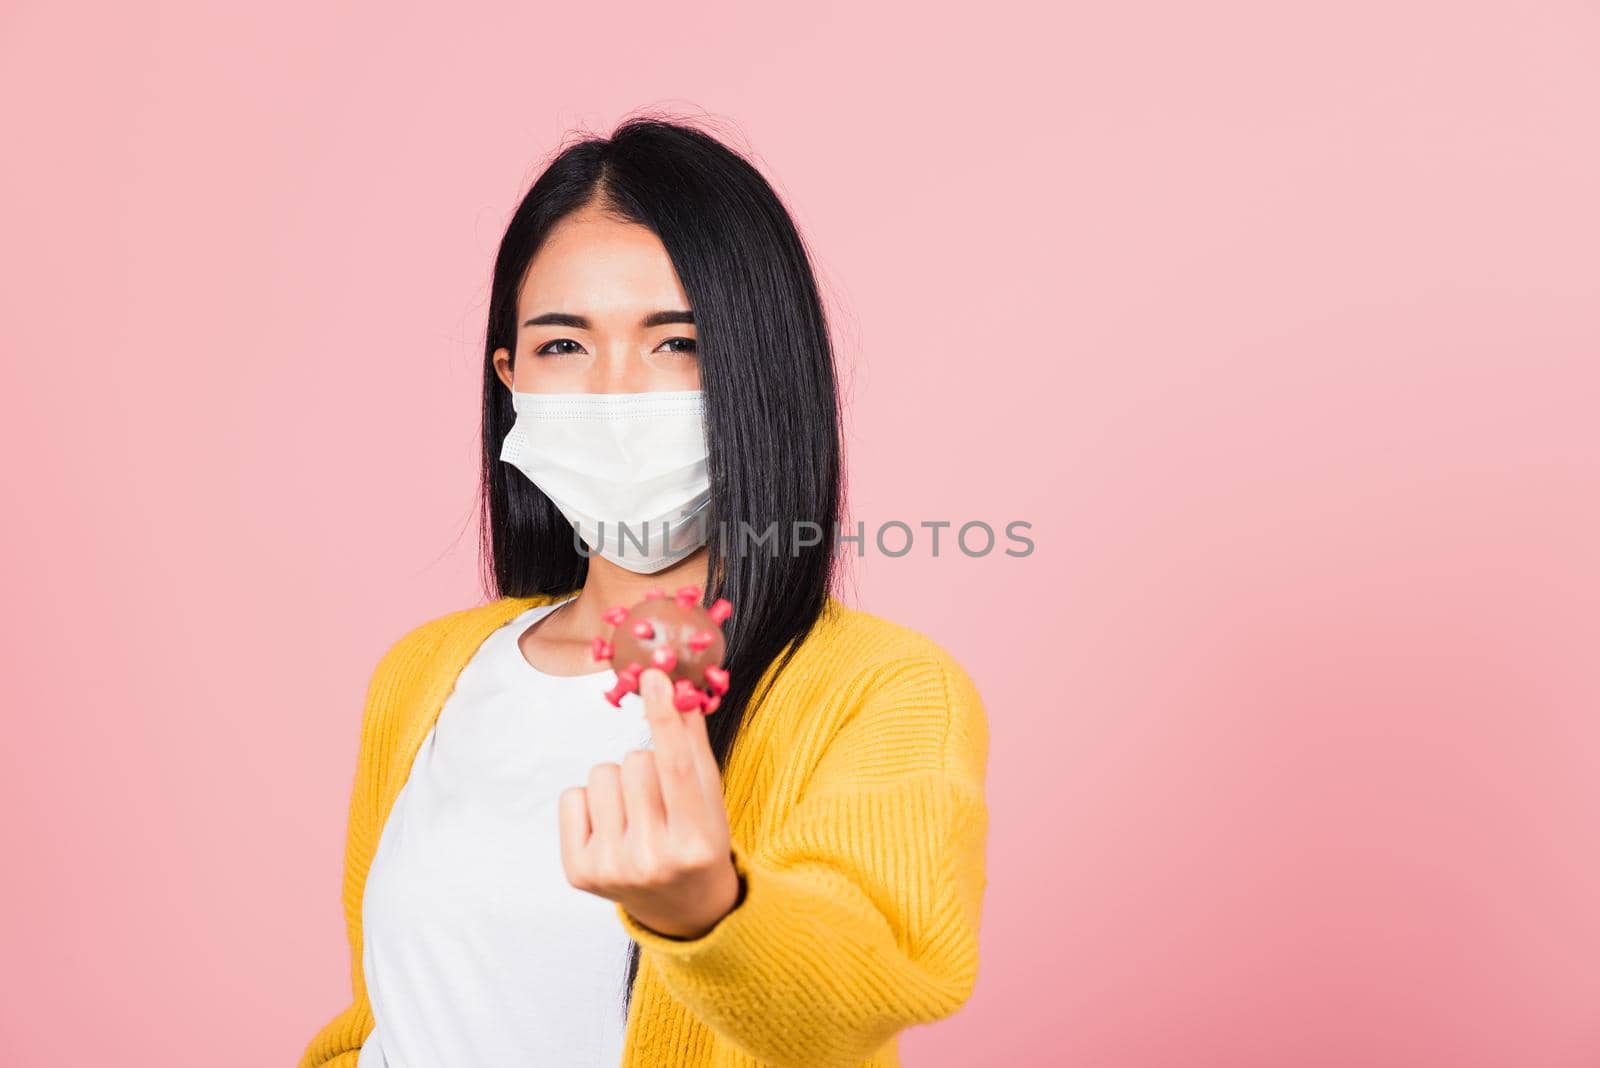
(619, 465)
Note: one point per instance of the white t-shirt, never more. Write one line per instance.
(478, 952)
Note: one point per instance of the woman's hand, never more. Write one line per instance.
(652, 833)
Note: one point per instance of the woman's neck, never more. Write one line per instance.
(609, 585)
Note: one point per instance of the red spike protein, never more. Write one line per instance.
(676, 635)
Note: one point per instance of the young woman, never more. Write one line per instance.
(536, 877)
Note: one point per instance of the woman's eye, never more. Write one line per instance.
(688, 343)
(546, 349)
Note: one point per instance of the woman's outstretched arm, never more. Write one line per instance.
(861, 913)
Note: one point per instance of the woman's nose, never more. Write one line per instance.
(619, 372)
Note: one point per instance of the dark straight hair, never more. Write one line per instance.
(767, 369)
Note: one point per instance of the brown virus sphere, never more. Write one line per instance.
(675, 634)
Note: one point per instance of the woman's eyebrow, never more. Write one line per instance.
(579, 322)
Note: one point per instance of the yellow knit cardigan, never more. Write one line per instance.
(855, 801)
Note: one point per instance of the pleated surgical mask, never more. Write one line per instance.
(627, 470)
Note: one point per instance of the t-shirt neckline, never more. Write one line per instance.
(519, 663)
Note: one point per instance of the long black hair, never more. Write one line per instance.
(767, 369)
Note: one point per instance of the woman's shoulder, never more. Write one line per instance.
(458, 631)
(871, 642)
(896, 685)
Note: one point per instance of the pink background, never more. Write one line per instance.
(1278, 321)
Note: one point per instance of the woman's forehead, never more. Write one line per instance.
(601, 269)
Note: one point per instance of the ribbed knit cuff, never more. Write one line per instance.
(690, 948)
(793, 976)
(808, 971)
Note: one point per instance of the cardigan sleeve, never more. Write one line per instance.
(860, 913)
(337, 1044)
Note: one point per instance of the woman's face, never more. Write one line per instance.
(601, 311)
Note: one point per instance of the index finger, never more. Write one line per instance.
(676, 760)
(573, 820)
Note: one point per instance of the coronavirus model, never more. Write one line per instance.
(675, 634)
